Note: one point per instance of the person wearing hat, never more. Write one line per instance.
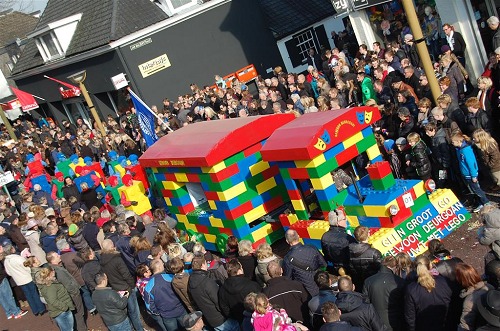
(394, 162)
(193, 321)
(489, 308)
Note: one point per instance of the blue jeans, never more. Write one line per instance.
(123, 326)
(7, 299)
(228, 325)
(174, 323)
(133, 310)
(159, 321)
(31, 293)
(476, 189)
(65, 321)
(87, 298)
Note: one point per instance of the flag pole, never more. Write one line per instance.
(7, 124)
(147, 107)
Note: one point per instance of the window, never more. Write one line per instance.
(11, 66)
(304, 42)
(49, 47)
(176, 6)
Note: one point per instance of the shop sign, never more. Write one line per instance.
(119, 81)
(341, 6)
(153, 66)
(141, 43)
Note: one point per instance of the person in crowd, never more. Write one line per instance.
(180, 282)
(264, 255)
(364, 260)
(301, 262)
(488, 149)
(427, 300)
(7, 300)
(441, 152)
(326, 294)
(247, 258)
(386, 291)
(489, 233)
(477, 117)
(331, 316)
(112, 305)
(265, 317)
(335, 242)
(419, 162)
(407, 124)
(193, 321)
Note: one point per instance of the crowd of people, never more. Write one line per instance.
(70, 256)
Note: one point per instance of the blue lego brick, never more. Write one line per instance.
(239, 177)
(258, 200)
(241, 231)
(290, 184)
(334, 151)
(278, 179)
(326, 194)
(160, 176)
(227, 205)
(195, 170)
(182, 201)
(314, 242)
(42, 181)
(367, 131)
(371, 222)
(263, 142)
(204, 220)
(287, 165)
(205, 186)
(305, 186)
(210, 246)
(379, 158)
(219, 213)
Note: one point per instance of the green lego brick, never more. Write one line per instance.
(384, 183)
(205, 178)
(323, 169)
(162, 170)
(258, 156)
(253, 181)
(339, 199)
(234, 224)
(173, 209)
(355, 210)
(213, 230)
(180, 192)
(366, 143)
(285, 174)
(327, 205)
(276, 235)
(181, 226)
(233, 159)
(419, 203)
(193, 218)
(302, 215)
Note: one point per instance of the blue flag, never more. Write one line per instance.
(146, 119)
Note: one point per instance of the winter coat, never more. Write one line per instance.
(261, 274)
(339, 326)
(445, 264)
(407, 127)
(17, 237)
(467, 161)
(364, 262)
(367, 90)
(385, 96)
(335, 246)
(290, 295)
(455, 75)
(78, 241)
(119, 278)
(203, 292)
(386, 292)
(315, 314)
(123, 246)
(160, 298)
(357, 312)
(180, 286)
(14, 267)
(492, 158)
(273, 319)
(33, 239)
(89, 270)
(307, 256)
(426, 311)
(39, 194)
(471, 317)
(57, 298)
(110, 305)
(232, 295)
(248, 262)
(89, 232)
(67, 280)
(69, 191)
(489, 234)
(73, 263)
(89, 198)
(420, 161)
(150, 231)
(411, 106)
(441, 149)
(49, 244)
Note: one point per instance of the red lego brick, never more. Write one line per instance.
(212, 195)
(238, 211)
(271, 172)
(298, 173)
(294, 194)
(170, 177)
(258, 242)
(167, 193)
(301, 228)
(379, 170)
(252, 149)
(273, 204)
(347, 155)
(225, 173)
(186, 209)
(201, 228)
(227, 231)
(193, 178)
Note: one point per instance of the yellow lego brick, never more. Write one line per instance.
(317, 229)
(353, 140)
(213, 169)
(216, 222)
(262, 232)
(258, 167)
(292, 218)
(212, 205)
(384, 239)
(378, 211)
(353, 221)
(181, 177)
(120, 169)
(210, 237)
(317, 161)
(443, 199)
(190, 226)
(134, 192)
(169, 185)
(419, 189)
(373, 152)
(143, 205)
(168, 202)
(232, 192)
(182, 218)
(255, 213)
(323, 182)
(298, 205)
(266, 185)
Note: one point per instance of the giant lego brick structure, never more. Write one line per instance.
(221, 178)
(214, 182)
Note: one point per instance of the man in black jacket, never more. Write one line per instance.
(91, 268)
(335, 242)
(120, 279)
(456, 42)
(355, 310)
(302, 262)
(234, 290)
(386, 293)
(331, 316)
(364, 260)
(288, 294)
(203, 292)
(111, 305)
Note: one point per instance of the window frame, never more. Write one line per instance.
(44, 50)
(181, 8)
(311, 39)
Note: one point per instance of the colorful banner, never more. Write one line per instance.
(66, 94)
(146, 119)
(27, 100)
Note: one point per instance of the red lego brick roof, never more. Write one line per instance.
(314, 133)
(207, 143)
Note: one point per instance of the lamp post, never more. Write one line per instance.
(79, 78)
(7, 124)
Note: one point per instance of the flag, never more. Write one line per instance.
(72, 92)
(27, 100)
(146, 119)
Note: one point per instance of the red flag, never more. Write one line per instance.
(72, 92)
(27, 100)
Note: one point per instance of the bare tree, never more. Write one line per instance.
(25, 6)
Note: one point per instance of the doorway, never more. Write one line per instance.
(76, 109)
(481, 11)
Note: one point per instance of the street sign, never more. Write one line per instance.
(6, 178)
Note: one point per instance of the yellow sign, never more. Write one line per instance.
(153, 66)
